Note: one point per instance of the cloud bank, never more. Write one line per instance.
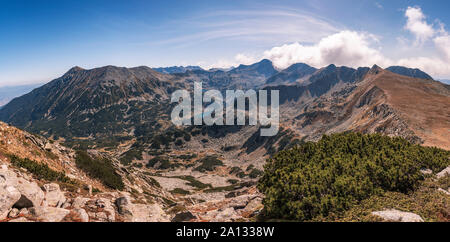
(356, 49)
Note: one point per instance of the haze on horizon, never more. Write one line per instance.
(42, 40)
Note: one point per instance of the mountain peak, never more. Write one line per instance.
(375, 70)
(74, 70)
(411, 72)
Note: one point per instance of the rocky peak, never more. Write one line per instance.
(375, 70)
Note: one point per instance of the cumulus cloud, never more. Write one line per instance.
(238, 60)
(355, 49)
(416, 23)
(245, 59)
(348, 48)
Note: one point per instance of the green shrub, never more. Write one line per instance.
(255, 173)
(329, 177)
(99, 168)
(41, 171)
(208, 163)
(180, 191)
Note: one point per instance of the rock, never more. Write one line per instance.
(53, 195)
(20, 220)
(81, 214)
(8, 197)
(32, 195)
(426, 171)
(444, 172)
(140, 212)
(183, 216)
(79, 202)
(444, 191)
(393, 215)
(226, 215)
(252, 208)
(23, 212)
(13, 213)
(106, 206)
(51, 214)
(123, 206)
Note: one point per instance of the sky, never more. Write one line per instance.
(41, 40)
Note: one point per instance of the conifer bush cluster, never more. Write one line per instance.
(315, 180)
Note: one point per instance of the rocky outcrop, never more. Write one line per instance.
(8, 197)
(393, 215)
(53, 195)
(443, 173)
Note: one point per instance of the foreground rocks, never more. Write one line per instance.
(393, 215)
(23, 200)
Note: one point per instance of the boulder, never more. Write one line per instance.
(444, 172)
(53, 195)
(13, 213)
(183, 216)
(31, 194)
(51, 214)
(8, 197)
(393, 215)
(81, 214)
(79, 202)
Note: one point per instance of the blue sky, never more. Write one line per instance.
(40, 40)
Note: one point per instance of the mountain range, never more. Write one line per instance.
(123, 115)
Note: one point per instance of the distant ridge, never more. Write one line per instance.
(411, 72)
(177, 69)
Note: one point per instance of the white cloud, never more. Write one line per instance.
(245, 59)
(442, 44)
(348, 48)
(356, 49)
(416, 23)
(238, 60)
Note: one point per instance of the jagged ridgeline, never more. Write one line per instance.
(321, 181)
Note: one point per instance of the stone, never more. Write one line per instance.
(8, 197)
(81, 214)
(32, 195)
(79, 202)
(393, 215)
(426, 171)
(444, 172)
(20, 220)
(140, 212)
(183, 216)
(51, 214)
(444, 191)
(13, 213)
(53, 195)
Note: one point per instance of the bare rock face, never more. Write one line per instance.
(8, 197)
(398, 216)
(443, 173)
(32, 194)
(53, 195)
